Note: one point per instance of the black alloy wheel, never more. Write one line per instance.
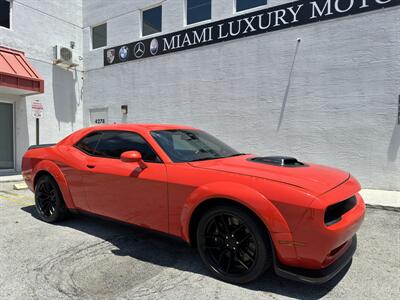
(49, 201)
(233, 245)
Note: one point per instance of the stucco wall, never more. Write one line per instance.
(37, 26)
(337, 106)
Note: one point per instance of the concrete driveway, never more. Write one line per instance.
(88, 258)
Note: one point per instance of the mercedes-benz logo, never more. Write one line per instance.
(139, 50)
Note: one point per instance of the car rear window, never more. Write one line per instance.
(88, 143)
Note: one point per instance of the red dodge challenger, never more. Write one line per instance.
(243, 212)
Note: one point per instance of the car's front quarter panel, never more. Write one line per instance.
(190, 186)
(241, 194)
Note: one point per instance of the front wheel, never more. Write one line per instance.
(49, 201)
(233, 244)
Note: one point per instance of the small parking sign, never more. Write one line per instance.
(37, 109)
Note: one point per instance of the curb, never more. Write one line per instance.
(20, 186)
(383, 207)
(11, 179)
(381, 199)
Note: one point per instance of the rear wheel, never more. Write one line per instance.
(49, 201)
(233, 244)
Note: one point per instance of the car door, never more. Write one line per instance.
(126, 191)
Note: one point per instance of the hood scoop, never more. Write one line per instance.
(281, 161)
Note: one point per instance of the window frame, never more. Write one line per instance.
(10, 18)
(158, 4)
(252, 9)
(91, 36)
(119, 158)
(185, 16)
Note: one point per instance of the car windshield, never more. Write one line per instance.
(192, 145)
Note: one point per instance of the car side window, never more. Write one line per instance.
(88, 143)
(113, 143)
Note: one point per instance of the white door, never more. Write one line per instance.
(98, 116)
(6, 136)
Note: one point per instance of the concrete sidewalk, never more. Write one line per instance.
(373, 198)
(381, 198)
(10, 178)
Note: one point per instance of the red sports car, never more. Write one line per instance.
(244, 213)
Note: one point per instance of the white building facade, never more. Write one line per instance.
(35, 27)
(318, 80)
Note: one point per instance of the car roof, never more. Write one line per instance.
(140, 127)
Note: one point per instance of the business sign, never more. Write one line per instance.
(266, 20)
(37, 109)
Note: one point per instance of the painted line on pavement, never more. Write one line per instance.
(13, 194)
(18, 201)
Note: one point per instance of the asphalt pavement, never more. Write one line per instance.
(88, 258)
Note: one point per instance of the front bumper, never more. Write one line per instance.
(317, 276)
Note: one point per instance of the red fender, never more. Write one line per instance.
(54, 170)
(242, 194)
(252, 199)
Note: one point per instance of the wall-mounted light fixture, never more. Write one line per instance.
(124, 109)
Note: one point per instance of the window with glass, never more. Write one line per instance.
(113, 143)
(89, 143)
(192, 145)
(197, 11)
(5, 13)
(247, 4)
(99, 36)
(152, 20)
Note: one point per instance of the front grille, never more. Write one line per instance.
(334, 213)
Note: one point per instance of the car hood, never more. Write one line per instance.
(314, 178)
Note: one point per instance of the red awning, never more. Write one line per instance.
(17, 76)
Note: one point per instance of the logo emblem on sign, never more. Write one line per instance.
(123, 53)
(154, 46)
(110, 56)
(139, 50)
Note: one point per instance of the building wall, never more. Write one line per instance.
(37, 26)
(331, 99)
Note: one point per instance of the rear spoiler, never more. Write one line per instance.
(40, 146)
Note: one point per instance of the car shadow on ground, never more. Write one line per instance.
(166, 251)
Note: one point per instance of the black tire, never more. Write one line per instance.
(233, 244)
(49, 200)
